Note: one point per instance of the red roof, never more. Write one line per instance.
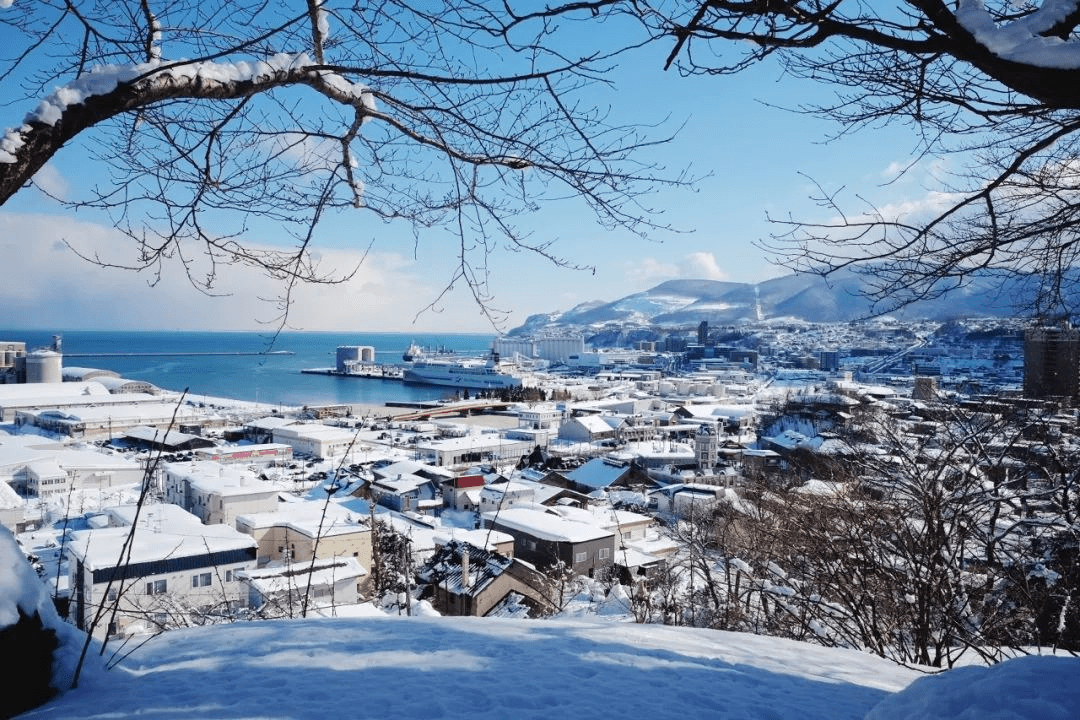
(469, 481)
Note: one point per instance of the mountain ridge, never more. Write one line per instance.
(685, 303)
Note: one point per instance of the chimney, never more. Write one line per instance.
(465, 582)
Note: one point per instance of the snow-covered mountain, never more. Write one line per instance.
(685, 303)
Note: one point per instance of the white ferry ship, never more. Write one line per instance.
(474, 374)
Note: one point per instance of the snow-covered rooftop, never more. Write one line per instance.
(163, 531)
(546, 526)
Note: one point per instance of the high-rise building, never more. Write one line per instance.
(706, 446)
(925, 388)
(1052, 362)
(829, 360)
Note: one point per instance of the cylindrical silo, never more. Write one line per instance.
(44, 366)
(347, 355)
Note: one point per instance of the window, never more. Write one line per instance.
(112, 594)
(228, 576)
(581, 557)
(604, 554)
(156, 587)
(201, 580)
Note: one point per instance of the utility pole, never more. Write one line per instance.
(407, 569)
(376, 561)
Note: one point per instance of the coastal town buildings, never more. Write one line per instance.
(589, 483)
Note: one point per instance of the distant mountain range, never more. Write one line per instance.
(685, 303)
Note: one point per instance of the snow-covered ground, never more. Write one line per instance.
(390, 667)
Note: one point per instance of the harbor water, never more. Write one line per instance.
(261, 367)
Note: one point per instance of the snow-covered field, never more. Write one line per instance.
(383, 666)
(391, 667)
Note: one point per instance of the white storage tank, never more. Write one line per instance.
(351, 355)
(347, 355)
(44, 366)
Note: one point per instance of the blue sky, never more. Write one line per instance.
(753, 159)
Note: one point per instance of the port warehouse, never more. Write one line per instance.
(472, 449)
(107, 418)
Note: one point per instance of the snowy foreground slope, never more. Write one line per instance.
(431, 667)
(390, 667)
(394, 667)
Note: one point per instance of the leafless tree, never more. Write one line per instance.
(991, 82)
(925, 552)
(931, 539)
(220, 121)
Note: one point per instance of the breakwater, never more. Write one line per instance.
(182, 353)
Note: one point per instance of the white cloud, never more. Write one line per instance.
(701, 265)
(44, 284)
(52, 182)
(917, 208)
(649, 270)
(895, 169)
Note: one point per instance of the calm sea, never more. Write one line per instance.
(250, 376)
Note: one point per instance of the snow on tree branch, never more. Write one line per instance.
(1026, 39)
(109, 90)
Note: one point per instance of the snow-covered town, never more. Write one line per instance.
(826, 466)
(144, 511)
(698, 484)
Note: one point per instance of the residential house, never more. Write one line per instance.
(586, 429)
(407, 493)
(218, 493)
(297, 531)
(173, 567)
(500, 542)
(758, 464)
(547, 539)
(463, 492)
(735, 420)
(505, 495)
(462, 579)
(283, 590)
(687, 499)
(604, 473)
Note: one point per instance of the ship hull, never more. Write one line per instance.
(460, 377)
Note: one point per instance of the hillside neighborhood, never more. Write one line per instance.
(905, 490)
